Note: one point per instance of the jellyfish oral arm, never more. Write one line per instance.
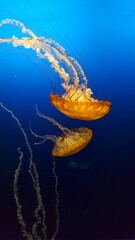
(39, 212)
(48, 48)
(19, 25)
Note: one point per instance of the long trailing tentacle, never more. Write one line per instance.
(39, 213)
(21, 220)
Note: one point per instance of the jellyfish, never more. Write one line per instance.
(70, 142)
(77, 100)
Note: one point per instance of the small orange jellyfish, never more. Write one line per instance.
(77, 101)
(71, 142)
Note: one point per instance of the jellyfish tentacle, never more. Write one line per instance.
(53, 121)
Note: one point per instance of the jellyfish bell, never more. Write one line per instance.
(72, 143)
(83, 110)
(79, 104)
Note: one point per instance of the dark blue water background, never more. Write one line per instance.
(97, 185)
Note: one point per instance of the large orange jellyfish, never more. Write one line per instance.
(77, 101)
(71, 142)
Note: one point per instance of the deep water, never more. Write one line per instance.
(97, 185)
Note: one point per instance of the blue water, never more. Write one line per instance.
(97, 185)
